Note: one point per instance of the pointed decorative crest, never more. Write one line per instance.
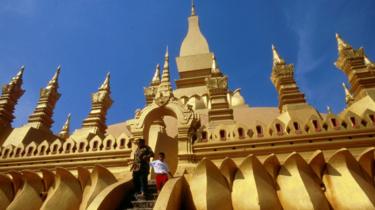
(8, 99)
(341, 44)
(166, 59)
(276, 57)
(64, 133)
(43, 112)
(348, 96)
(192, 8)
(106, 83)
(214, 69)
(18, 76)
(156, 79)
(53, 83)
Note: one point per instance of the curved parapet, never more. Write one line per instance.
(170, 197)
(17, 181)
(66, 186)
(272, 165)
(29, 194)
(113, 195)
(346, 183)
(228, 168)
(209, 188)
(253, 187)
(100, 178)
(48, 178)
(83, 177)
(299, 186)
(317, 163)
(6, 191)
(366, 161)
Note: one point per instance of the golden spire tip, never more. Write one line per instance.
(192, 8)
(166, 52)
(105, 85)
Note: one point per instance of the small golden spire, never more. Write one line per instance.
(348, 96)
(276, 57)
(214, 69)
(156, 79)
(166, 59)
(106, 83)
(329, 110)
(341, 44)
(53, 82)
(64, 132)
(192, 8)
(20, 73)
(18, 76)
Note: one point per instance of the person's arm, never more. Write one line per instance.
(167, 167)
(149, 154)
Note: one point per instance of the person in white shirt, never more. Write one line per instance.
(161, 170)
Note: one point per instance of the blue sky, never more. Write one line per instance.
(90, 37)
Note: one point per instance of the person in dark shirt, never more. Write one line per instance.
(141, 166)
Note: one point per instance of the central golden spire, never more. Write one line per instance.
(194, 43)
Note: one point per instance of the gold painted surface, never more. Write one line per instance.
(211, 186)
(253, 187)
(66, 186)
(347, 186)
(299, 187)
(6, 191)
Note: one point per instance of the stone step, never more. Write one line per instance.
(139, 209)
(143, 203)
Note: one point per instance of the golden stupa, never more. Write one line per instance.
(224, 154)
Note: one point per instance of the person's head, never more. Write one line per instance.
(140, 142)
(161, 156)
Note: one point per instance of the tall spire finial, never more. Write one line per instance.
(18, 76)
(348, 96)
(53, 82)
(166, 59)
(214, 69)
(9, 97)
(100, 103)
(276, 57)
(341, 44)
(106, 83)
(64, 132)
(192, 8)
(156, 79)
(43, 112)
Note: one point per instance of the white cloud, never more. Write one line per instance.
(19, 7)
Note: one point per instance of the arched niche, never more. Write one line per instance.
(152, 118)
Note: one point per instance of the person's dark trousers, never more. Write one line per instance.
(140, 181)
(144, 182)
(136, 182)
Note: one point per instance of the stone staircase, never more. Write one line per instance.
(147, 202)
